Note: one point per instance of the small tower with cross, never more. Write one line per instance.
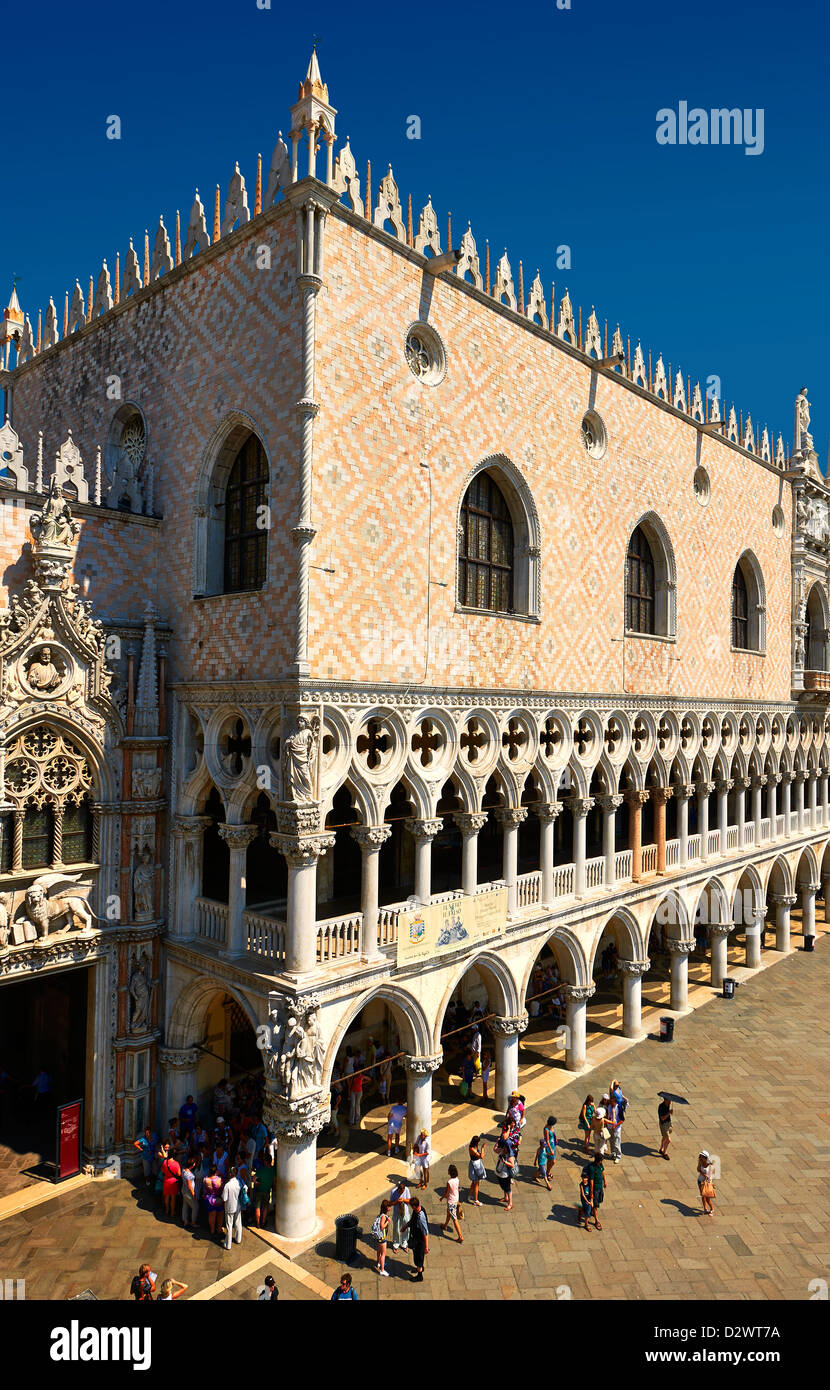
(11, 327)
(313, 114)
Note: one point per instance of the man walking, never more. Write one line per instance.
(417, 1228)
(233, 1210)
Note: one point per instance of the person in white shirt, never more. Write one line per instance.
(399, 1199)
(233, 1211)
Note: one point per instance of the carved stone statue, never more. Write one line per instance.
(54, 524)
(41, 911)
(42, 673)
(294, 1037)
(299, 760)
(803, 440)
(141, 991)
(308, 1069)
(143, 883)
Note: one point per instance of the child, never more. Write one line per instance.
(585, 1203)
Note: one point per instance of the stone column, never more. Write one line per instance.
(783, 903)
(758, 784)
(506, 1032)
(296, 1124)
(470, 823)
(636, 801)
(423, 833)
(580, 806)
(301, 853)
(179, 1070)
(703, 792)
(660, 796)
(577, 1008)
(510, 818)
(753, 938)
(684, 791)
(724, 787)
(808, 909)
(741, 784)
(786, 782)
(719, 935)
(825, 794)
(419, 1072)
(632, 972)
(370, 838)
(813, 802)
(237, 838)
(609, 805)
(799, 777)
(547, 813)
(188, 840)
(680, 952)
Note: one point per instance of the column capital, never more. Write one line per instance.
(238, 836)
(424, 829)
(798, 775)
(511, 817)
(610, 803)
(684, 791)
(301, 849)
(662, 795)
(680, 948)
(785, 899)
(743, 782)
(371, 836)
(580, 805)
(470, 822)
(423, 1066)
(633, 967)
(720, 928)
(758, 782)
(298, 820)
(178, 1058)
(724, 785)
(295, 1122)
(190, 827)
(636, 797)
(580, 992)
(504, 1026)
(774, 778)
(811, 888)
(704, 788)
(787, 775)
(548, 810)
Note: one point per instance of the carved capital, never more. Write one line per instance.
(298, 820)
(680, 948)
(190, 827)
(662, 795)
(423, 1066)
(470, 822)
(424, 829)
(758, 782)
(799, 775)
(548, 810)
(724, 786)
(303, 533)
(300, 850)
(610, 803)
(684, 791)
(505, 1026)
(371, 836)
(743, 782)
(307, 407)
(238, 836)
(785, 899)
(296, 1122)
(636, 798)
(178, 1059)
(720, 928)
(634, 968)
(580, 805)
(580, 992)
(812, 888)
(511, 817)
(705, 788)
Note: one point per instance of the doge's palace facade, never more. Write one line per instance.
(440, 631)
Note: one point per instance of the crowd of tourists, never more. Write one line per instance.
(221, 1176)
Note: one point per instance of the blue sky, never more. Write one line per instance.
(538, 125)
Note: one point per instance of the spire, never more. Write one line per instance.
(147, 697)
(313, 84)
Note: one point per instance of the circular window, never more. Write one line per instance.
(425, 354)
(593, 435)
(702, 486)
(133, 441)
(778, 520)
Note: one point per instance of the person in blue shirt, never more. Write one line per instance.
(147, 1145)
(187, 1116)
(259, 1134)
(344, 1293)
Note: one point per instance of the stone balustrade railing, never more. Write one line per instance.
(595, 872)
(211, 920)
(529, 889)
(649, 858)
(339, 937)
(265, 937)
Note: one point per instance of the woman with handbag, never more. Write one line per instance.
(476, 1172)
(706, 1186)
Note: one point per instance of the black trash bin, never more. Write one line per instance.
(345, 1239)
(667, 1030)
(729, 987)
(809, 943)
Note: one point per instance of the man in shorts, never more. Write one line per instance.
(395, 1121)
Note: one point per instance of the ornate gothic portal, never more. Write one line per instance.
(68, 790)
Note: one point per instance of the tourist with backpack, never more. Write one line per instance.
(143, 1285)
(380, 1227)
(344, 1293)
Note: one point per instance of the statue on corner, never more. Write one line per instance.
(54, 525)
(299, 760)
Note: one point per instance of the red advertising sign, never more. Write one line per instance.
(70, 1139)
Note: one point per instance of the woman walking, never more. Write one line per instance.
(476, 1172)
(212, 1193)
(380, 1230)
(420, 1157)
(263, 1188)
(549, 1141)
(596, 1174)
(451, 1199)
(505, 1171)
(705, 1184)
(585, 1202)
(586, 1116)
(171, 1173)
(664, 1121)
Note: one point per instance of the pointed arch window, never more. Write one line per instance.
(740, 610)
(485, 557)
(246, 540)
(640, 588)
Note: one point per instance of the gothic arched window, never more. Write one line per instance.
(748, 605)
(740, 610)
(246, 539)
(640, 585)
(485, 557)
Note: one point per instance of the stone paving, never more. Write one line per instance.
(750, 1081)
